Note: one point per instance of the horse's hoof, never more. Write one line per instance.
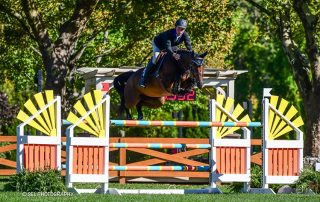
(129, 118)
(140, 117)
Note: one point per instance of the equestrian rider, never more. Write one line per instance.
(168, 41)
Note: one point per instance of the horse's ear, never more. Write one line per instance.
(203, 54)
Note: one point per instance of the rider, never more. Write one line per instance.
(167, 41)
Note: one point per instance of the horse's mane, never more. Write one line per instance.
(186, 57)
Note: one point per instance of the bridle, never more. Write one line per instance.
(195, 64)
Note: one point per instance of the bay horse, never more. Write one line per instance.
(175, 77)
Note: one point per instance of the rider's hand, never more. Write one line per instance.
(176, 56)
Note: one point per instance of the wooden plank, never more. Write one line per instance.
(290, 162)
(31, 157)
(188, 153)
(113, 149)
(26, 156)
(233, 162)
(122, 162)
(7, 162)
(90, 160)
(275, 162)
(222, 160)
(47, 155)
(243, 161)
(113, 173)
(296, 162)
(36, 157)
(256, 142)
(85, 160)
(8, 138)
(280, 165)
(6, 172)
(75, 160)
(53, 156)
(237, 160)
(95, 160)
(218, 160)
(41, 157)
(257, 158)
(80, 160)
(9, 147)
(167, 157)
(285, 162)
(270, 162)
(228, 152)
(101, 160)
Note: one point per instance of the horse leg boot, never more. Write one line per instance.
(129, 117)
(145, 74)
(139, 110)
(176, 85)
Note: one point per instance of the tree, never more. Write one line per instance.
(109, 32)
(296, 24)
(7, 112)
(58, 56)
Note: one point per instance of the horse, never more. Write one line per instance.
(174, 77)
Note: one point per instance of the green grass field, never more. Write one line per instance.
(17, 196)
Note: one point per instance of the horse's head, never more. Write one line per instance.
(186, 57)
(197, 68)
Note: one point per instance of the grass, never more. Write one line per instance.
(228, 196)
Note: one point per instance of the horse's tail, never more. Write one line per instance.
(119, 84)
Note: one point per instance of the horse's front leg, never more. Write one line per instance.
(139, 110)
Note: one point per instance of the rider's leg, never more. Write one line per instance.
(145, 74)
(147, 70)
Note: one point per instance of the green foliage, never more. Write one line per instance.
(15, 98)
(38, 181)
(7, 112)
(235, 187)
(262, 55)
(256, 176)
(308, 179)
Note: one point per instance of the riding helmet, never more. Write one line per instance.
(181, 23)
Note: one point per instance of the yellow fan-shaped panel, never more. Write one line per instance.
(94, 122)
(277, 125)
(49, 96)
(98, 98)
(219, 100)
(41, 103)
(227, 106)
(236, 114)
(89, 102)
(45, 121)
(82, 111)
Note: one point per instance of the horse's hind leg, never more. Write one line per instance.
(129, 117)
(139, 110)
(132, 99)
(123, 106)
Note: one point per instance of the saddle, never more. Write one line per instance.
(158, 64)
(177, 90)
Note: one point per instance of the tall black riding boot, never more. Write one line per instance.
(145, 74)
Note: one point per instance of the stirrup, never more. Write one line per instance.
(142, 83)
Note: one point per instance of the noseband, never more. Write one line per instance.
(195, 63)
